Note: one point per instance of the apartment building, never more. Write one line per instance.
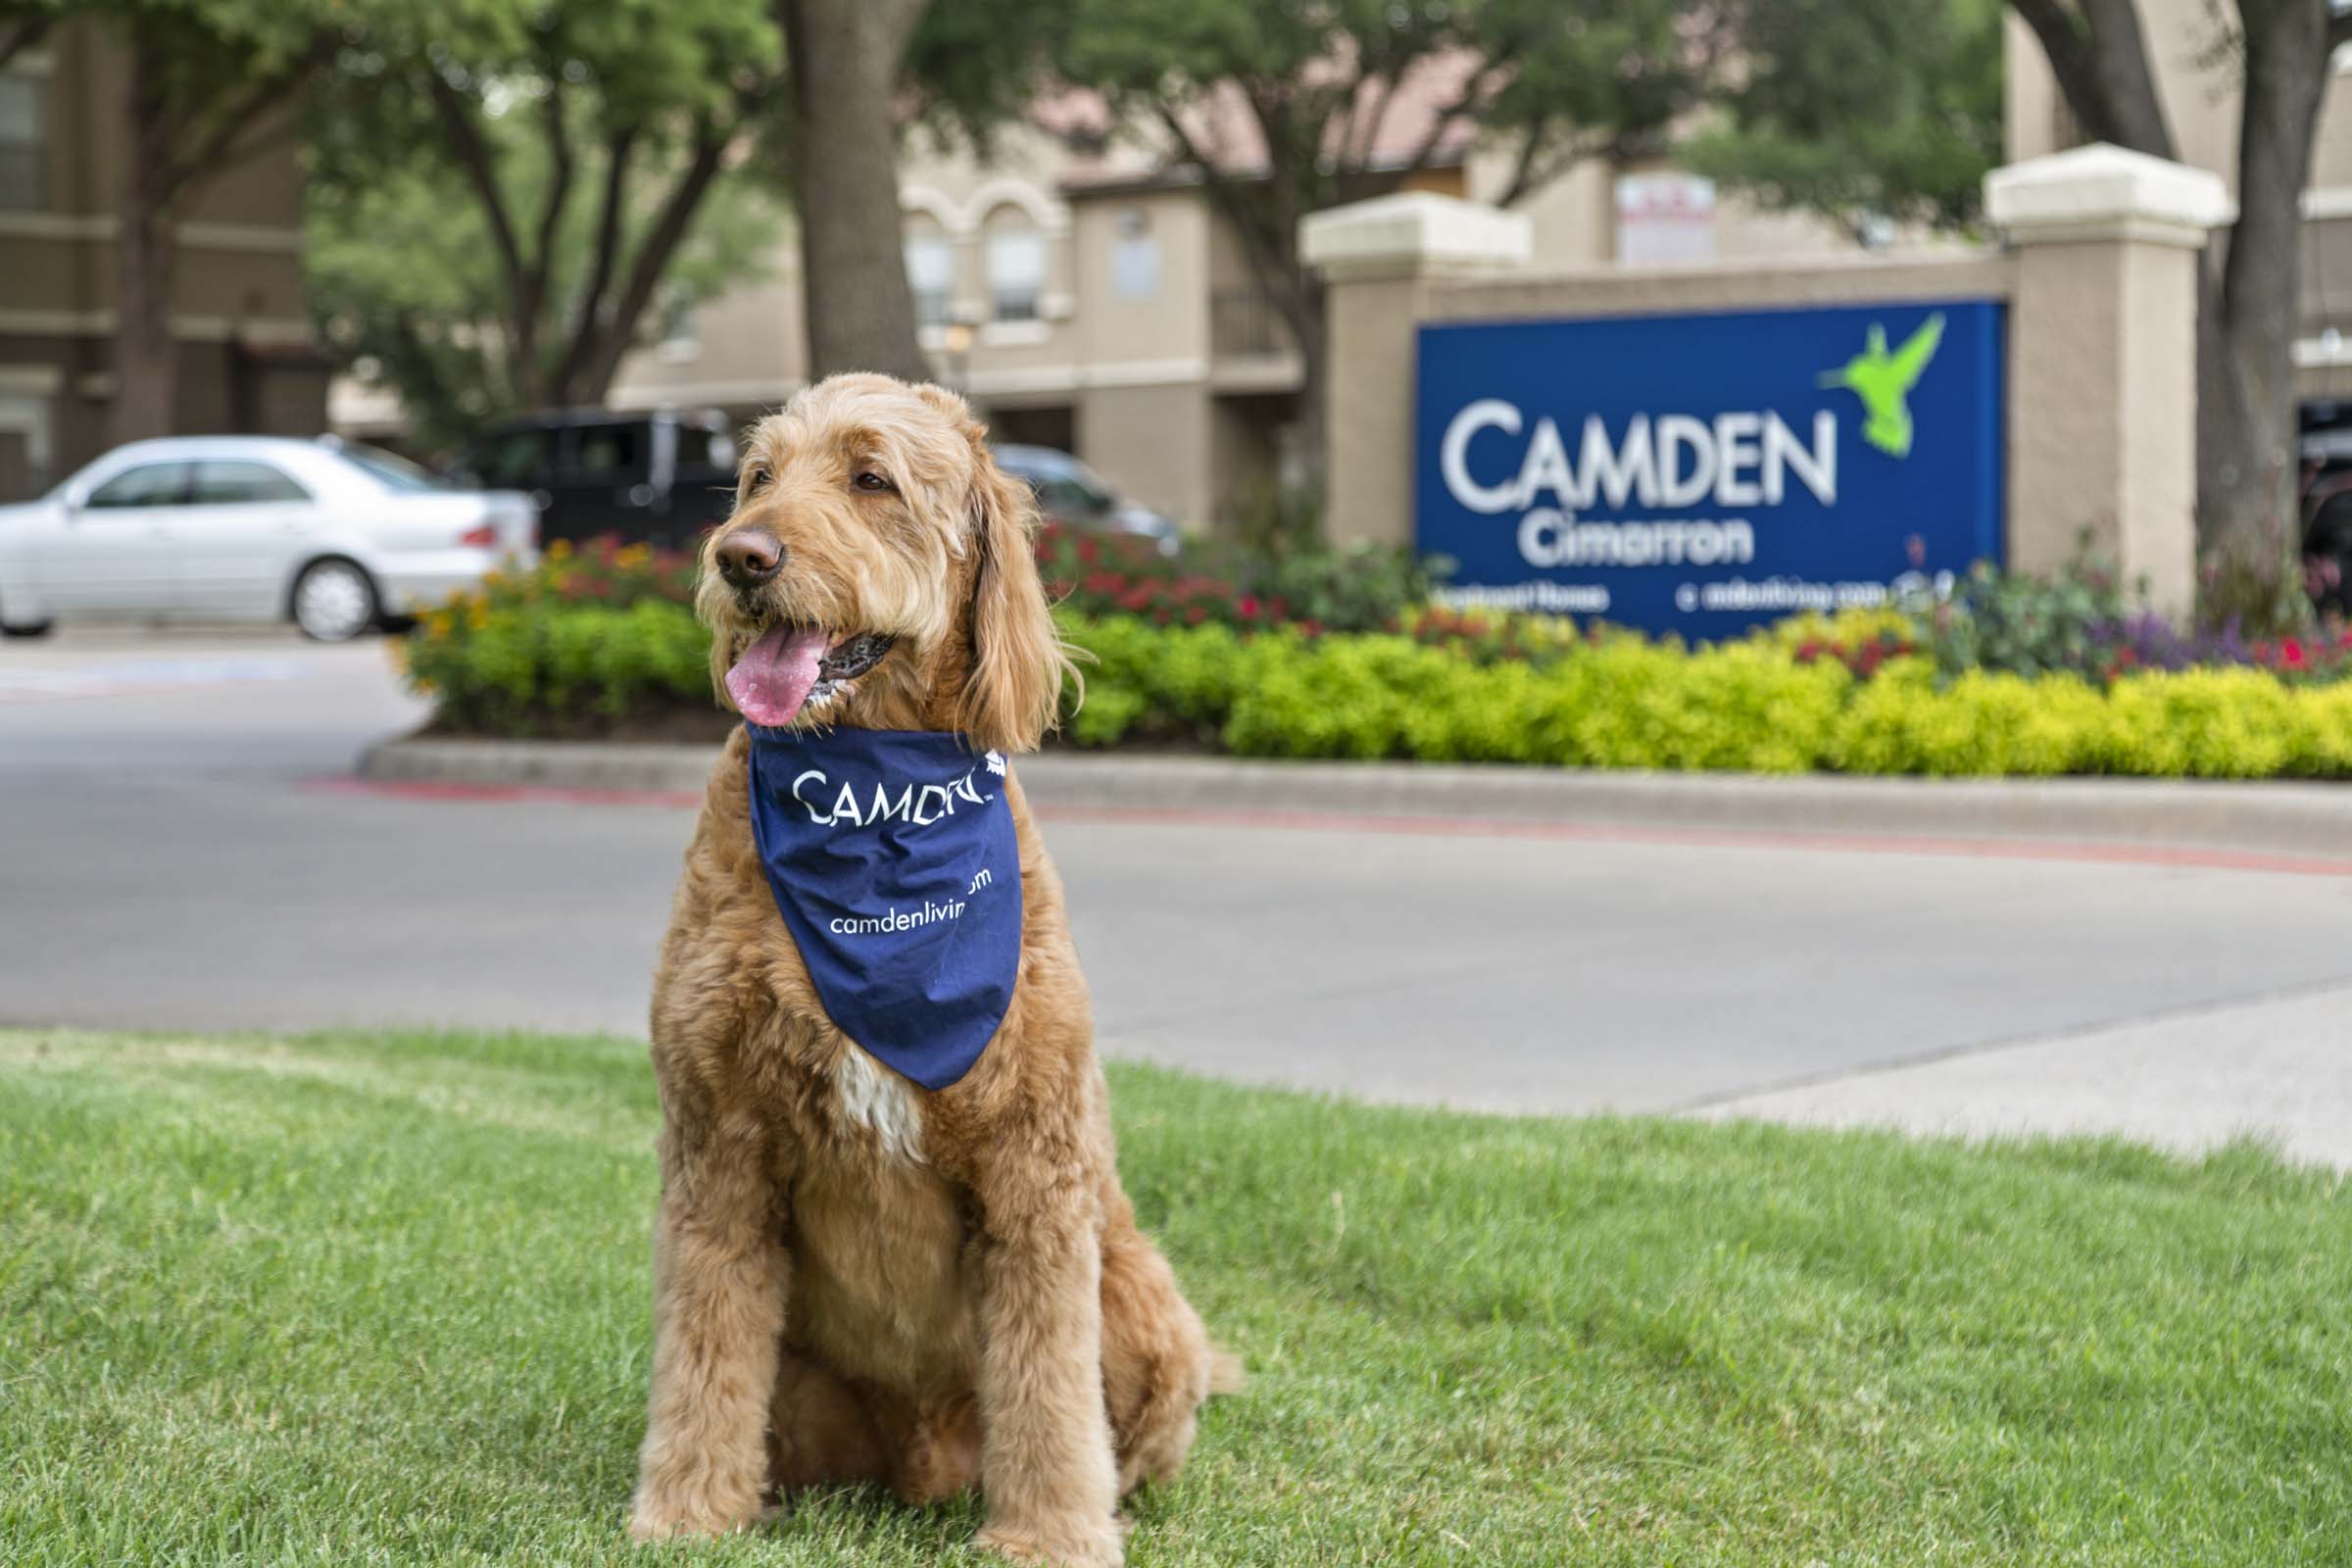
(1084, 292)
(245, 363)
(2201, 102)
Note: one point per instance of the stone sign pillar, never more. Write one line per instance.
(1377, 259)
(2103, 359)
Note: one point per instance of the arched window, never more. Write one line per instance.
(1016, 268)
(930, 272)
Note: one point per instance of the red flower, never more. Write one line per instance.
(1196, 615)
(1249, 605)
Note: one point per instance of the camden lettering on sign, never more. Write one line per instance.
(1703, 473)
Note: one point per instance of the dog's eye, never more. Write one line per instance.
(755, 477)
(869, 480)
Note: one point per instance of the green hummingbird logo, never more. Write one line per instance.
(1883, 382)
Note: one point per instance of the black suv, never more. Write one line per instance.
(2326, 441)
(663, 476)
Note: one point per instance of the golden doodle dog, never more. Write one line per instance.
(892, 1244)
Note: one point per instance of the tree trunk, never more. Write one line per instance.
(1312, 330)
(146, 356)
(843, 57)
(2252, 276)
(2247, 523)
(616, 332)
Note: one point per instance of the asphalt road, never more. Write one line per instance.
(180, 849)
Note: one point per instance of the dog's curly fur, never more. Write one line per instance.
(858, 1280)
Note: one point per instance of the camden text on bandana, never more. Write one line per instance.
(892, 858)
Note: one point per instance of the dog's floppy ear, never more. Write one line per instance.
(1013, 693)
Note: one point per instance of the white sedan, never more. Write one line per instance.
(331, 536)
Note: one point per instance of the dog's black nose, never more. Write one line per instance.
(748, 557)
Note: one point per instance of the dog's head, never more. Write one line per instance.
(877, 571)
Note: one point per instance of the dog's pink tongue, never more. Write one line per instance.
(773, 677)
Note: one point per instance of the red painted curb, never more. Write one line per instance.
(1955, 846)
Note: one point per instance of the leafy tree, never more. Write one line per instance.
(2279, 52)
(408, 284)
(1319, 81)
(212, 83)
(1864, 112)
(504, 192)
(602, 163)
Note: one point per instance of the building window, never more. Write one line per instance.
(23, 144)
(931, 274)
(1016, 272)
(1134, 256)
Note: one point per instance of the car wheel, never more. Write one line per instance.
(335, 601)
(30, 629)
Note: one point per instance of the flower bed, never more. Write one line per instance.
(590, 642)
(1315, 587)
(2009, 677)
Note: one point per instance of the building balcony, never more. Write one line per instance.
(1250, 347)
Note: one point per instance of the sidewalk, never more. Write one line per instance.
(2274, 1069)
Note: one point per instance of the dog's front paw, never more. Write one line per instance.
(668, 1519)
(1070, 1544)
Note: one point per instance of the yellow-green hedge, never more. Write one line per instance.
(1747, 707)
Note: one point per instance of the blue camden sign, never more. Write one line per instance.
(1704, 473)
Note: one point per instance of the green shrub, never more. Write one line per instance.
(2204, 723)
(2024, 625)
(1349, 697)
(1985, 723)
(1148, 683)
(540, 666)
(2324, 732)
(535, 663)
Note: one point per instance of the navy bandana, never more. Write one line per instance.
(892, 857)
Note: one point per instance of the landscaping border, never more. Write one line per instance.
(2302, 817)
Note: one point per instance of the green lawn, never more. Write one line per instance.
(383, 1299)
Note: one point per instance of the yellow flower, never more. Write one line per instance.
(437, 625)
(634, 556)
(558, 550)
